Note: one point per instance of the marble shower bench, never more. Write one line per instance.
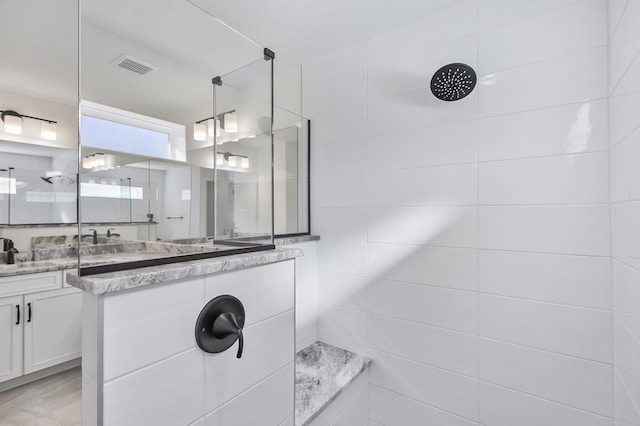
(325, 375)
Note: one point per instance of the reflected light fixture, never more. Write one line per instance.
(233, 160)
(230, 122)
(199, 132)
(13, 124)
(211, 125)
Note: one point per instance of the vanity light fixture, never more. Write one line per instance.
(227, 121)
(232, 160)
(199, 132)
(94, 161)
(13, 124)
(230, 122)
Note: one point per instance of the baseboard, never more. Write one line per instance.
(28, 378)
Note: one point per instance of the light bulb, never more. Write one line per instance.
(219, 159)
(210, 127)
(232, 161)
(199, 132)
(244, 162)
(48, 131)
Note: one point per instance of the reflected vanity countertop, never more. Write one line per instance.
(140, 277)
(297, 239)
(21, 268)
(70, 224)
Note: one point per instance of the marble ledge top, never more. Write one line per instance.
(323, 371)
(287, 241)
(140, 277)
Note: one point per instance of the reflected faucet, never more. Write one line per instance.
(109, 234)
(93, 235)
(7, 246)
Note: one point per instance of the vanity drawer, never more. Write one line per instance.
(30, 283)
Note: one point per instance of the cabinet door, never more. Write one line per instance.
(52, 328)
(11, 337)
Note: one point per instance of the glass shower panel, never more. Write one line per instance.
(291, 173)
(243, 188)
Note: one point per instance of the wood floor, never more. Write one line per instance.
(52, 401)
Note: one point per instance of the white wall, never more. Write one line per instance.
(624, 132)
(466, 245)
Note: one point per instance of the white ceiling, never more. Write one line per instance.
(183, 39)
(299, 30)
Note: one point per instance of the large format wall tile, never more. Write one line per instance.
(572, 381)
(581, 332)
(575, 179)
(571, 280)
(448, 391)
(548, 229)
(567, 129)
(576, 27)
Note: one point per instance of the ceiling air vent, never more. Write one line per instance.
(132, 64)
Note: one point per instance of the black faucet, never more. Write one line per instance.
(11, 255)
(7, 246)
(93, 235)
(109, 234)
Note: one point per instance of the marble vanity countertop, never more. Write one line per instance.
(21, 268)
(323, 371)
(140, 277)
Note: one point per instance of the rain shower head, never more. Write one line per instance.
(453, 82)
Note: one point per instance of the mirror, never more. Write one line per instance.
(130, 68)
(39, 129)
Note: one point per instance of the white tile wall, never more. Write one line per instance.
(155, 374)
(500, 406)
(440, 307)
(575, 27)
(624, 134)
(563, 279)
(561, 229)
(432, 186)
(581, 332)
(448, 391)
(269, 401)
(423, 147)
(540, 85)
(390, 408)
(574, 382)
(438, 266)
(438, 347)
(274, 337)
(574, 179)
(145, 332)
(176, 397)
(482, 223)
(437, 226)
(565, 129)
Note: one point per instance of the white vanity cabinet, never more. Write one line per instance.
(52, 328)
(11, 337)
(40, 323)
